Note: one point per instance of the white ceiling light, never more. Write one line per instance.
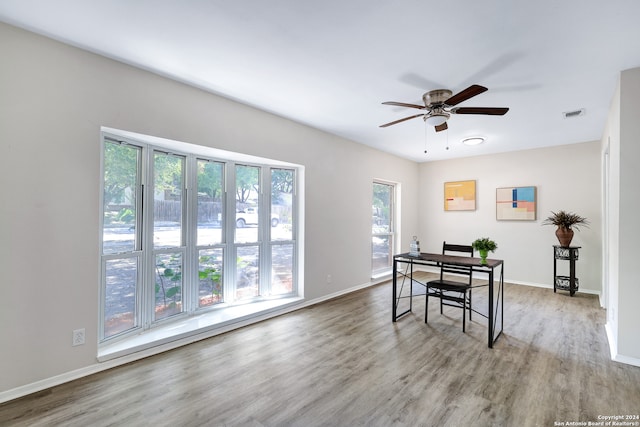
(436, 119)
(473, 141)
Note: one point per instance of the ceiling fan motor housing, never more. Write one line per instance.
(436, 97)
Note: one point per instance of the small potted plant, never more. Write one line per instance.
(566, 222)
(484, 245)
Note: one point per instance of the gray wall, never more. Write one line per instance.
(566, 178)
(54, 100)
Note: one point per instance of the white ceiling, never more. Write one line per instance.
(330, 64)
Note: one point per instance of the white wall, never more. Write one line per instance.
(566, 178)
(622, 135)
(611, 210)
(54, 100)
(629, 291)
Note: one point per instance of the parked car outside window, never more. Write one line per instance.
(249, 216)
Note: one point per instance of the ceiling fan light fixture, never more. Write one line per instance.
(475, 140)
(436, 119)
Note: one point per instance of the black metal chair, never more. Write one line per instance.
(454, 293)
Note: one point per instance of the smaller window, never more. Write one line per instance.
(382, 228)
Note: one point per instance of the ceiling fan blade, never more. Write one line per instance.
(441, 127)
(401, 120)
(469, 92)
(403, 104)
(489, 111)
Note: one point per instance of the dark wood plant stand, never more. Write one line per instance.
(565, 283)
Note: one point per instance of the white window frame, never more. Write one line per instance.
(189, 248)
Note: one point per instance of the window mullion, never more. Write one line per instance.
(264, 237)
(230, 255)
(148, 275)
(190, 285)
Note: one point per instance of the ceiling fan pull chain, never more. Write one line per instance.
(425, 135)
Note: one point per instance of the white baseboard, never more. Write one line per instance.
(547, 286)
(516, 282)
(613, 349)
(613, 343)
(627, 360)
(56, 380)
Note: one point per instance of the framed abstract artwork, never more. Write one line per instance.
(516, 204)
(460, 196)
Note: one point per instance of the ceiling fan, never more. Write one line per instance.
(439, 104)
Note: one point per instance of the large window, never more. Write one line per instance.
(185, 233)
(382, 228)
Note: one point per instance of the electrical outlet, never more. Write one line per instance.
(329, 278)
(78, 337)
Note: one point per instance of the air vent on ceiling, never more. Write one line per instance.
(575, 113)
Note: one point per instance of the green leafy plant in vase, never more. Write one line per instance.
(484, 245)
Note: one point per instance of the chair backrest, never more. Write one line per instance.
(458, 250)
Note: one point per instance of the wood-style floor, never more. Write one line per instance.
(344, 363)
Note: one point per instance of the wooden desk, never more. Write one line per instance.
(495, 312)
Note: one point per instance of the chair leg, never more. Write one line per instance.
(441, 305)
(426, 306)
(469, 304)
(464, 315)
